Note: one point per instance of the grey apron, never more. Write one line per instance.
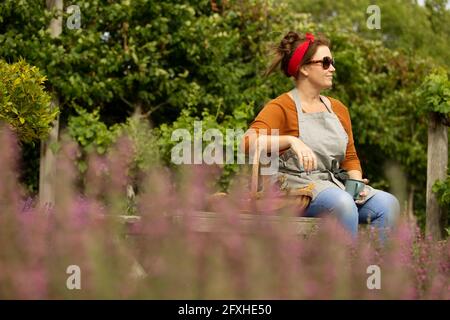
(325, 135)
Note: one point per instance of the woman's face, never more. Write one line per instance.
(315, 73)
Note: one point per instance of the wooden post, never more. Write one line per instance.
(437, 162)
(47, 166)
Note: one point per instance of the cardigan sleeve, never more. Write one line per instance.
(272, 117)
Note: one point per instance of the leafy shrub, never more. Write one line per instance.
(442, 190)
(237, 121)
(95, 138)
(24, 104)
(435, 93)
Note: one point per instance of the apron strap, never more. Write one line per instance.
(326, 102)
(298, 106)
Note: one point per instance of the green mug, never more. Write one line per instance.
(354, 187)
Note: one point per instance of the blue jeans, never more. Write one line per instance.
(381, 211)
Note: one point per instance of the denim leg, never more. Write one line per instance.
(338, 202)
(381, 211)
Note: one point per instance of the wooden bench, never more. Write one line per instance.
(212, 221)
(203, 221)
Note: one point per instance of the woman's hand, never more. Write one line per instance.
(363, 194)
(306, 156)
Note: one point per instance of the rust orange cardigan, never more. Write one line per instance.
(280, 113)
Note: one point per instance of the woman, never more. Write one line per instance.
(316, 136)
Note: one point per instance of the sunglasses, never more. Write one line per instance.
(326, 62)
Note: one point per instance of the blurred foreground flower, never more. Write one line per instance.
(162, 253)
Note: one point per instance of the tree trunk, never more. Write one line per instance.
(55, 27)
(47, 167)
(437, 161)
(410, 206)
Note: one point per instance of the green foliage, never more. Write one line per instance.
(24, 104)
(93, 135)
(238, 121)
(404, 25)
(90, 132)
(144, 141)
(160, 56)
(442, 190)
(435, 93)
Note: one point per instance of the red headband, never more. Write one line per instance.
(299, 53)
